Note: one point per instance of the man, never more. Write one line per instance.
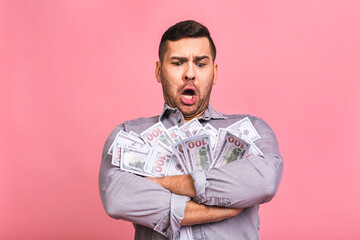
(220, 203)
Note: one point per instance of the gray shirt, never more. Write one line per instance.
(157, 213)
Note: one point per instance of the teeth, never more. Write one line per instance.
(188, 97)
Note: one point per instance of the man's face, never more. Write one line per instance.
(187, 73)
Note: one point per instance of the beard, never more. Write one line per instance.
(172, 98)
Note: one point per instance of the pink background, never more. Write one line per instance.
(72, 70)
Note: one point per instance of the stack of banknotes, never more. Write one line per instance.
(158, 151)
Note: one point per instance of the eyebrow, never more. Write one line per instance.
(197, 58)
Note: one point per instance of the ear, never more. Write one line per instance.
(158, 71)
(215, 73)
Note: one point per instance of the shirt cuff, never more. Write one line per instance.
(169, 226)
(200, 185)
(202, 196)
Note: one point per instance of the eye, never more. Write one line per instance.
(176, 63)
(201, 65)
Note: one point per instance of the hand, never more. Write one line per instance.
(235, 211)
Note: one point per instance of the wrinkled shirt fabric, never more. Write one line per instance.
(157, 213)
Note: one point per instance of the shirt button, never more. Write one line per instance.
(164, 230)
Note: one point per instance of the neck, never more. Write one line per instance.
(189, 118)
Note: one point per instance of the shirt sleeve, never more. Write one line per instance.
(246, 182)
(133, 198)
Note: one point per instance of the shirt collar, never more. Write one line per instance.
(209, 113)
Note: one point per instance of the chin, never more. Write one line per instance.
(188, 110)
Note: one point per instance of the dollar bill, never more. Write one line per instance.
(157, 133)
(110, 150)
(212, 137)
(190, 128)
(159, 151)
(178, 150)
(202, 131)
(253, 151)
(210, 129)
(136, 136)
(197, 150)
(221, 136)
(158, 160)
(174, 133)
(175, 167)
(133, 160)
(212, 133)
(246, 128)
(123, 140)
(233, 148)
(116, 155)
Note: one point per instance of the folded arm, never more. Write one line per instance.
(196, 213)
(133, 198)
(239, 184)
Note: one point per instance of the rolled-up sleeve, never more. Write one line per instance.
(170, 227)
(246, 182)
(133, 198)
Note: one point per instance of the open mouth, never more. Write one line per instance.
(188, 93)
(188, 96)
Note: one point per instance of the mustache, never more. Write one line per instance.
(188, 86)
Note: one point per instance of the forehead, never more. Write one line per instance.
(187, 47)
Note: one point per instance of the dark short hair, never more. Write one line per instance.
(185, 29)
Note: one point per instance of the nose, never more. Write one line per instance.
(189, 73)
